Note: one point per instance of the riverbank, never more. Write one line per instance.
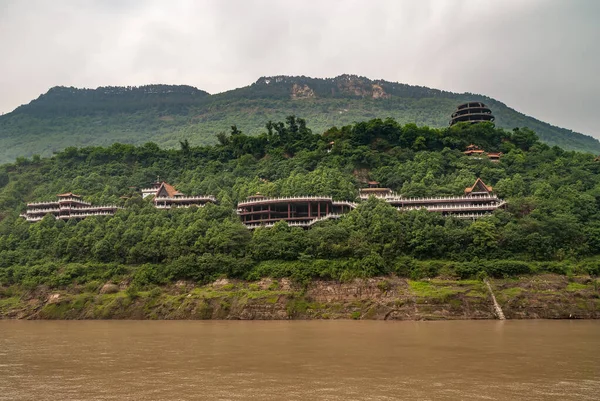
(383, 298)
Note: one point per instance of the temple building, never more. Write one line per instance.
(494, 157)
(304, 211)
(300, 211)
(476, 152)
(473, 112)
(477, 201)
(167, 197)
(68, 206)
(374, 190)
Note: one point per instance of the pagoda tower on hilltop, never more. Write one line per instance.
(473, 112)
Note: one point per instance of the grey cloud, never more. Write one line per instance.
(539, 57)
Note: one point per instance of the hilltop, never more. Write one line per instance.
(167, 114)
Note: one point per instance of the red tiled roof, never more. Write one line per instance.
(470, 189)
(169, 189)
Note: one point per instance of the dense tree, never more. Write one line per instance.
(553, 212)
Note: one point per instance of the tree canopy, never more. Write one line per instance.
(552, 217)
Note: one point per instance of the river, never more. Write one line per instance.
(299, 360)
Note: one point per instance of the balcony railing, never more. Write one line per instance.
(176, 206)
(42, 203)
(441, 199)
(81, 215)
(45, 211)
(186, 198)
(101, 207)
(470, 215)
(74, 200)
(67, 216)
(32, 219)
(452, 208)
(306, 223)
(351, 205)
(287, 198)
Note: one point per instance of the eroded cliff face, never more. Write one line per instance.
(345, 85)
(356, 86)
(302, 92)
(379, 93)
(383, 298)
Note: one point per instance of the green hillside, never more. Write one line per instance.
(166, 114)
(551, 223)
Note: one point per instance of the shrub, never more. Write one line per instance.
(468, 270)
(592, 268)
(507, 268)
(155, 293)
(426, 269)
(563, 268)
(404, 266)
(132, 292)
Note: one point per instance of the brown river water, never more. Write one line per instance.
(299, 360)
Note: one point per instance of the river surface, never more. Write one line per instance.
(299, 360)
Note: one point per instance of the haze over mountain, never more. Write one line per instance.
(167, 114)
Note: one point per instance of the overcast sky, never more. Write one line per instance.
(541, 57)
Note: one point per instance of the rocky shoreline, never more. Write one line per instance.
(383, 298)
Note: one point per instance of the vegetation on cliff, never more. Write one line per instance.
(552, 223)
(548, 296)
(167, 114)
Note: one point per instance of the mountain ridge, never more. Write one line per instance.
(167, 114)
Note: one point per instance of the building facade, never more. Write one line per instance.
(304, 211)
(300, 211)
(167, 197)
(477, 201)
(68, 206)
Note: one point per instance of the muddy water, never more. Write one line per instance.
(320, 360)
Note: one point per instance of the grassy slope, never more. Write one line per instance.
(73, 117)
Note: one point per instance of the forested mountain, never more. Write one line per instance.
(167, 114)
(551, 224)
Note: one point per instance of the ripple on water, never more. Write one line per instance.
(341, 360)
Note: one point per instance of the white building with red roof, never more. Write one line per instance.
(167, 197)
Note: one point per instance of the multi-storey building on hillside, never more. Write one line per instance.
(304, 211)
(68, 206)
(167, 197)
(300, 211)
(477, 201)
